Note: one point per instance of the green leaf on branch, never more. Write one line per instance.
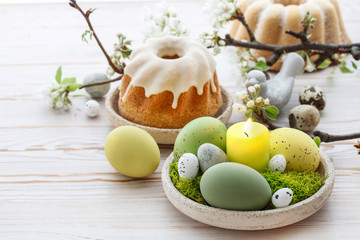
(354, 65)
(85, 34)
(248, 113)
(262, 66)
(67, 81)
(73, 87)
(344, 69)
(317, 140)
(271, 112)
(58, 75)
(324, 64)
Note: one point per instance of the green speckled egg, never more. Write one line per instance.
(299, 150)
(197, 132)
(235, 186)
(99, 90)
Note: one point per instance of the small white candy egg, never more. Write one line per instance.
(92, 108)
(282, 197)
(188, 166)
(277, 163)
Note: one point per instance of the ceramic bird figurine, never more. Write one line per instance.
(279, 88)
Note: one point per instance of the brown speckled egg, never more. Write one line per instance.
(313, 95)
(304, 117)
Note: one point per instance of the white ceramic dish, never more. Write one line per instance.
(251, 220)
(161, 135)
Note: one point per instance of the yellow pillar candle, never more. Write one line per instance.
(248, 143)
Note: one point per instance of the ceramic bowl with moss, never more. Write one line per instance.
(303, 205)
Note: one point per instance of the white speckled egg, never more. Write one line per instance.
(188, 166)
(209, 155)
(304, 117)
(313, 95)
(97, 90)
(282, 197)
(92, 108)
(277, 163)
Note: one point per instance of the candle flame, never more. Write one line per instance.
(247, 128)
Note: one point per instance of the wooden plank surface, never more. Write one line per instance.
(55, 181)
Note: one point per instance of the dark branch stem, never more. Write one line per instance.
(326, 137)
(241, 18)
(101, 83)
(261, 118)
(279, 49)
(86, 15)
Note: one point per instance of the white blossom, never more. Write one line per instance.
(220, 11)
(238, 108)
(261, 59)
(164, 22)
(267, 101)
(241, 95)
(53, 96)
(251, 64)
(257, 86)
(259, 100)
(250, 104)
(251, 89)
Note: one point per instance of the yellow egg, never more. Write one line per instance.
(132, 151)
(300, 150)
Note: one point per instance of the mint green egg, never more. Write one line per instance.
(197, 132)
(235, 186)
(97, 90)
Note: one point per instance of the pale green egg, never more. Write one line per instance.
(197, 132)
(300, 150)
(98, 90)
(132, 151)
(235, 186)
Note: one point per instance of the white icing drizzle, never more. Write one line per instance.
(194, 67)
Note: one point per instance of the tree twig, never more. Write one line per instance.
(241, 18)
(261, 118)
(86, 15)
(101, 83)
(323, 50)
(326, 137)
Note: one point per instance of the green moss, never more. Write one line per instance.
(189, 188)
(303, 184)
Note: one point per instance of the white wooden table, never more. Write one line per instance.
(55, 181)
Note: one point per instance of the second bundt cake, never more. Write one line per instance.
(269, 19)
(169, 82)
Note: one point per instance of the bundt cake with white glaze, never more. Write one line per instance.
(269, 19)
(168, 82)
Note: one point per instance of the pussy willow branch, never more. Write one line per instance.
(323, 50)
(86, 15)
(101, 83)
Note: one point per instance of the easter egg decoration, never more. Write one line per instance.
(277, 163)
(235, 186)
(197, 132)
(209, 155)
(188, 166)
(97, 90)
(282, 197)
(300, 150)
(304, 117)
(92, 108)
(132, 151)
(313, 95)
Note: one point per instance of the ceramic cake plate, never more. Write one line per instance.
(251, 220)
(161, 135)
